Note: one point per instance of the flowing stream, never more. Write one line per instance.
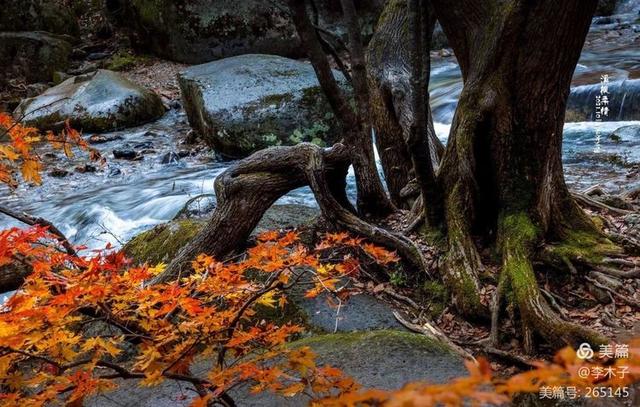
(127, 197)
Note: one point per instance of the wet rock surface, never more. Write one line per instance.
(99, 101)
(243, 104)
(384, 359)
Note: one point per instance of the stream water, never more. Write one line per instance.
(126, 197)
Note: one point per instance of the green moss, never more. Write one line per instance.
(373, 339)
(437, 296)
(586, 246)
(518, 234)
(163, 242)
(124, 61)
(150, 11)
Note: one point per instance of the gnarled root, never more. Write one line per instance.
(462, 265)
(247, 189)
(518, 236)
(336, 213)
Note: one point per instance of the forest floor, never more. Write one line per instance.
(612, 310)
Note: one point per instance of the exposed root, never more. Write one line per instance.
(618, 273)
(628, 300)
(631, 245)
(588, 201)
(337, 214)
(462, 263)
(495, 309)
(244, 192)
(518, 236)
(434, 333)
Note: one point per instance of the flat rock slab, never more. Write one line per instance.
(99, 102)
(243, 104)
(377, 359)
(359, 313)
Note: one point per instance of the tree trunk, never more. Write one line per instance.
(372, 198)
(502, 170)
(389, 76)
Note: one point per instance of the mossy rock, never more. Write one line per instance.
(162, 243)
(34, 56)
(243, 104)
(197, 31)
(38, 15)
(379, 359)
(384, 359)
(100, 101)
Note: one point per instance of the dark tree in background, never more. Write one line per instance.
(498, 185)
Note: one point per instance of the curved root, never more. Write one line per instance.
(518, 236)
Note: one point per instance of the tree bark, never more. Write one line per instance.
(372, 199)
(389, 76)
(502, 170)
(246, 190)
(421, 23)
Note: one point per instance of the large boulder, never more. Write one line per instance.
(624, 102)
(197, 31)
(34, 56)
(606, 7)
(100, 101)
(38, 15)
(249, 102)
(378, 359)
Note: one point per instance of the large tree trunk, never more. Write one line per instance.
(502, 170)
(389, 75)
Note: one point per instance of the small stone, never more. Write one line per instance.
(125, 154)
(170, 158)
(114, 172)
(58, 173)
(145, 144)
(82, 169)
(95, 56)
(100, 139)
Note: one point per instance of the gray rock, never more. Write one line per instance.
(38, 15)
(378, 359)
(100, 101)
(197, 31)
(249, 102)
(34, 56)
(626, 133)
(624, 102)
(359, 313)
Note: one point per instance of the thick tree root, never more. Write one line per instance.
(518, 236)
(337, 214)
(462, 264)
(246, 190)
